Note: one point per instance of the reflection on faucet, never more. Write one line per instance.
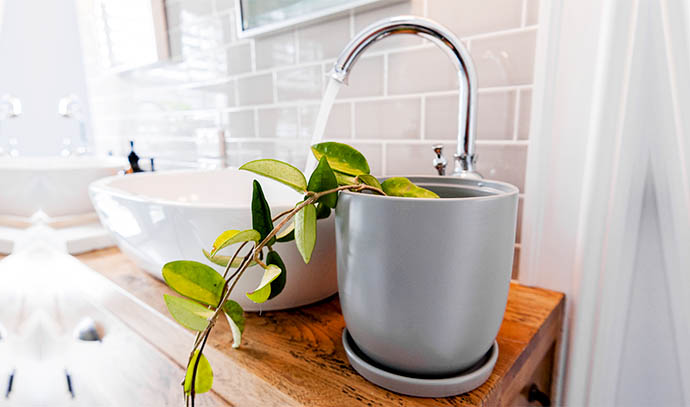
(465, 157)
(10, 108)
(70, 107)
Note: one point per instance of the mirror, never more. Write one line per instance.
(261, 17)
(132, 32)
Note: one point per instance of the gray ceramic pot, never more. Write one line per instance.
(423, 283)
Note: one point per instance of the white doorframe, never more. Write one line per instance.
(585, 176)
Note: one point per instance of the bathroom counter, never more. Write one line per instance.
(296, 357)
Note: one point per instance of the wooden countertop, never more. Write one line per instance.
(296, 357)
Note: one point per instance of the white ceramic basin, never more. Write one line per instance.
(55, 185)
(165, 216)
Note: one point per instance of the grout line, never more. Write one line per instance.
(425, 8)
(302, 102)
(352, 23)
(295, 40)
(274, 79)
(516, 117)
(415, 142)
(256, 123)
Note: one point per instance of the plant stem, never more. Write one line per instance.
(202, 336)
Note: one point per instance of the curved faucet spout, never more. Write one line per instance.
(465, 157)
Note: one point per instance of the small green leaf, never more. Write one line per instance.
(194, 280)
(287, 234)
(223, 260)
(369, 180)
(188, 313)
(322, 211)
(305, 231)
(203, 381)
(342, 157)
(261, 213)
(400, 186)
(230, 237)
(235, 316)
(323, 179)
(278, 284)
(263, 290)
(279, 171)
(344, 179)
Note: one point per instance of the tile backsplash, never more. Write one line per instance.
(264, 93)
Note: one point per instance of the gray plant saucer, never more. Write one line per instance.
(465, 381)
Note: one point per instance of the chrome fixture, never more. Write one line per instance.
(70, 107)
(465, 156)
(10, 108)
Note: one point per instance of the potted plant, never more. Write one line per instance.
(423, 282)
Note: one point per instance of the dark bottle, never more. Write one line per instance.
(133, 159)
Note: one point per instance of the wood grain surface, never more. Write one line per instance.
(296, 357)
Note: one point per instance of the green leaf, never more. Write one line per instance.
(344, 179)
(235, 316)
(194, 280)
(278, 284)
(261, 213)
(369, 180)
(287, 234)
(188, 313)
(230, 237)
(322, 211)
(400, 186)
(305, 231)
(323, 179)
(342, 157)
(263, 290)
(203, 381)
(279, 171)
(223, 260)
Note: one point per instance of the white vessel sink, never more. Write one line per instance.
(56, 186)
(165, 216)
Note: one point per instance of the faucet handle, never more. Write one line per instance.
(440, 161)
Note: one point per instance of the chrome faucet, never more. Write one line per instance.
(10, 108)
(465, 157)
(69, 107)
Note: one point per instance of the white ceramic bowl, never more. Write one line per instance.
(55, 185)
(165, 216)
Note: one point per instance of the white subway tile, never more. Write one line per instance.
(238, 59)
(423, 70)
(299, 83)
(532, 16)
(388, 119)
(323, 40)
(365, 18)
(441, 120)
(278, 122)
(338, 126)
(503, 163)
(222, 5)
(525, 114)
(240, 124)
(495, 115)
(470, 17)
(254, 90)
(366, 78)
(506, 59)
(275, 51)
(218, 96)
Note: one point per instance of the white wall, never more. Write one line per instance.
(41, 62)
